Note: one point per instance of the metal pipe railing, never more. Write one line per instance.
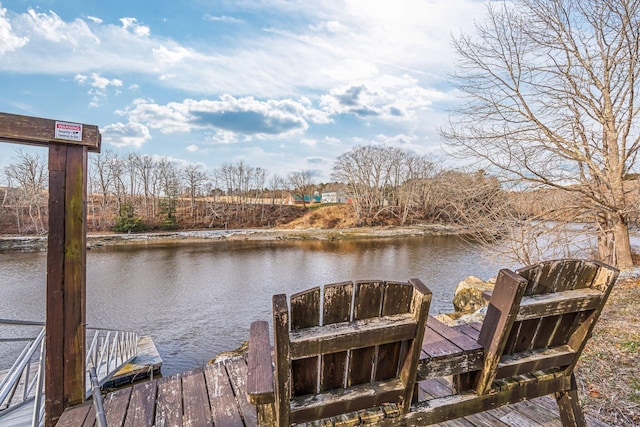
(107, 352)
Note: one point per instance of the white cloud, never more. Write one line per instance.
(309, 142)
(330, 140)
(222, 18)
(350, 69)
(8, 40)
(98, 86)
(192, 148)
(337, 45)
(131, 24)
(244, 117)
(388, 97)
(51, 28)
(171, 54)
(329, 27)
(126, 135)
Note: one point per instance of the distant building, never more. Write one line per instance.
(334, 197)
(297, 200)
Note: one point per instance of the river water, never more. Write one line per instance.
(197, 300)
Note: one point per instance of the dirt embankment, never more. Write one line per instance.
(327, 223)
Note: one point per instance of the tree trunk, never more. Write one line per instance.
(614, 246)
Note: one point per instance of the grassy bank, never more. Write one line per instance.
(609, 370)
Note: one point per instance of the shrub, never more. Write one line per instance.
(127, 222)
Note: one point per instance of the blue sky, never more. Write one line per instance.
(284, 85)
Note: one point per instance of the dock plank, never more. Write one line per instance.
(197, 412)
(538, 413)
(237, 370)
(90, 421)
(458, 422)
(115, 406)
(141, 405)
(224, 409)
(197, 398)
(76, 417)
(485, 419)
(169, 402)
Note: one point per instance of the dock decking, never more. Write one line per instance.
(215, 395)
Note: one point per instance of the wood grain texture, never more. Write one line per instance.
(54, 339)
(368, 299)
(224, 409)
(75, 253)
(281, 354)
(305, 309)
(142, 401)
(337, 303)
(197, 411)
(76, 417)
(260, 370)
(169, 402)
(116, 405)
(39, 131)
(237, 371)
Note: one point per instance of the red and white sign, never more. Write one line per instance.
(68, 131)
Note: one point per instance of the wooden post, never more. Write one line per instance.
(66, 280)
(66, 257)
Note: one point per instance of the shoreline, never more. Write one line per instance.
(94, 240)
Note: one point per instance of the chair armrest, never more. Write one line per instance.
(260, 388)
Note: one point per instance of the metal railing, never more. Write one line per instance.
(108, 351)
(23, 384)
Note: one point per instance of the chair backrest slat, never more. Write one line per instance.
(336, 309)
(305, 309)
(368, 299)
(305, 313)
(367, 304)
(337, 303)
(397, 298)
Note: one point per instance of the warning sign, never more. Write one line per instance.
(68, 131)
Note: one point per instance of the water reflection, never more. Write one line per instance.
(199, 299)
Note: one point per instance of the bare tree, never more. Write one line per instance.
(379, 179)
(145, 165)
(276, 185)
(550, 91)
(300, 183)
(117, 167)
(169, 183)
(195, 178)
(28, 172)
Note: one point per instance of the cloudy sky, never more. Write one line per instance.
(287, 85)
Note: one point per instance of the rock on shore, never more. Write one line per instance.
(468, 302)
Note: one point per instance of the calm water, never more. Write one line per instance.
(198, 300)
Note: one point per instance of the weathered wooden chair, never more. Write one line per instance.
(537, 324)
(363, 355)
(356, 348)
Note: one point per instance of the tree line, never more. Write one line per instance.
(384, 185)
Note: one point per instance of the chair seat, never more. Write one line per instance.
(446, 350)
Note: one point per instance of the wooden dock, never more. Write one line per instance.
(215, 396)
